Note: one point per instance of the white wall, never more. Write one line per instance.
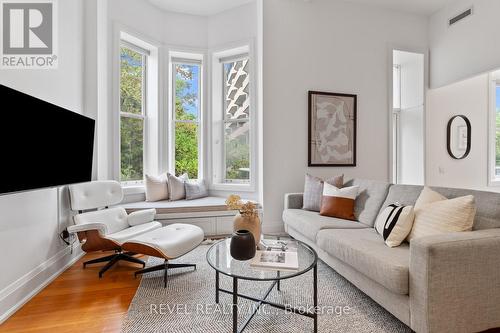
(469, 98)
(467, 48)
(331, 46)
(234, 25)
(29, 227)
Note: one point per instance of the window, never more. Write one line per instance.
(186, 116)
(132, 112)
(496, 112)
(236, 119)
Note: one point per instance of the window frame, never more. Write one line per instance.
(225, 120)
(172, 121)
(143, 116)
(217, 147)
(494, 82)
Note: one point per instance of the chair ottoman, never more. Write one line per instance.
(169, 242)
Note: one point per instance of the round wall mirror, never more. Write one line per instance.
(459, 137)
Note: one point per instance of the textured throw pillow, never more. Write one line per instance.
(195, 189)
(176, 187)
(394, 223)
(156, 187)
(313, 191)
(434, 214)
(339, 202)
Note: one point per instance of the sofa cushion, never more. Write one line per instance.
(309, 223)
(371, 195)
(365, 251)
(487, 203)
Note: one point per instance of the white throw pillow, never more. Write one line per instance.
(196, 189)
(156, 187)
(394, 223)
(176, 186)
(434, 214)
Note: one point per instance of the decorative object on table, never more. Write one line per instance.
(313, 190)
(247, 219)
(276, 254)
(242, 245)
(458, 137)
(339, 202)
(394, 223)
(435, 214)
(332, 129)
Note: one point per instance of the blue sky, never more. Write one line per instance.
(498, 97)
(193, 89)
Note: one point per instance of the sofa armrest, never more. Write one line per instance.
(455, 282)
(294, 200)
(100, 227)
(141, 217)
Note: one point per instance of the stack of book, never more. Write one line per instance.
(276, 255)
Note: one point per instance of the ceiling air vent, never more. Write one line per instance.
(460, 16)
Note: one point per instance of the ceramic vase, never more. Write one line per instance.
(242, 245)
(251, 224)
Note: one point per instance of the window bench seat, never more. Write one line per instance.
(210, 213)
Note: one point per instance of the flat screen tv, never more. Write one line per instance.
(41, 144)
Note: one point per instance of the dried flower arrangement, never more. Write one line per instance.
(248, 209)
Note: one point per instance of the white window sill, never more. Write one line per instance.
(232, 187)
(133, 189)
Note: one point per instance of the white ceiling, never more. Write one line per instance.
(423, 7)
(198, 7)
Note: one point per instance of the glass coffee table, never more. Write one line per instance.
(218, 256)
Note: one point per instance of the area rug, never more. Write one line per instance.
(188, 303)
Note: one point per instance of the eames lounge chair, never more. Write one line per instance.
(100, 228)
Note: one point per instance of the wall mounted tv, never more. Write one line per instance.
(41, 144)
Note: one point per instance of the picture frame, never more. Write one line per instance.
(332, 122)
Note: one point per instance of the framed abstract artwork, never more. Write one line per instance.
(332, 129)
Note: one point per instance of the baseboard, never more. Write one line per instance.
(18, 293)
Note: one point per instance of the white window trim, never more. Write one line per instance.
(189, 58)
(152, 102)
(494, 81)
(217, 148)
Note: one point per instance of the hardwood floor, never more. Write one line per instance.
(78, 301)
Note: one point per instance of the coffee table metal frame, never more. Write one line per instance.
(276, 282)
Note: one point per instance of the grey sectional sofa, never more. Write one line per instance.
(443, 283)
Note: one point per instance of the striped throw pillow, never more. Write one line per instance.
(394, 223)
(435, 214)
(338, 202)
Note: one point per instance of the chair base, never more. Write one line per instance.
(113, 259)
(164, 267)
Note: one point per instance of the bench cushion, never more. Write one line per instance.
(365, 251)
(309, 223)
(207, 204)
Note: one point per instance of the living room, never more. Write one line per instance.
(147, 143)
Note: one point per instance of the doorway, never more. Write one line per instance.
(407, 119)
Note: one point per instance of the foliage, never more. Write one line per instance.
(186, 132)
(237, 156)
(497, 138)
(132, 140)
